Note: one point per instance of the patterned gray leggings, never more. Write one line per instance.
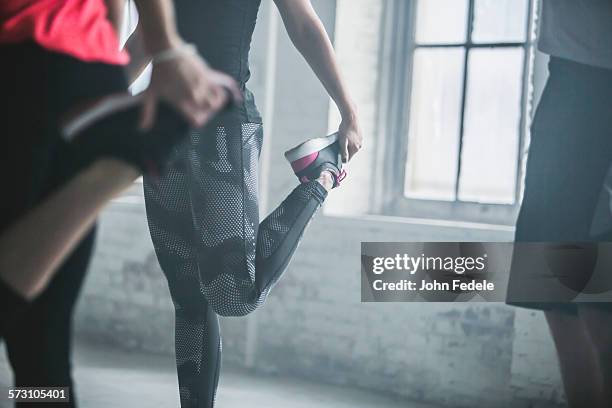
(218, 259)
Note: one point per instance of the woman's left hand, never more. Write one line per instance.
(350, 138)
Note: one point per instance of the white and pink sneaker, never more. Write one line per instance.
(315, 156)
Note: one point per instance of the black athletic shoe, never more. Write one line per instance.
(315, 156)
(109, 128)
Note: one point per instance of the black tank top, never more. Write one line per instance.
(222, 30)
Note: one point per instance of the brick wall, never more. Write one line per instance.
(313, 324)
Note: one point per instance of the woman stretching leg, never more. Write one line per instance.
(204, 214)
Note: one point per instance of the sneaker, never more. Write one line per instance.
(108, 127)
(315, 156)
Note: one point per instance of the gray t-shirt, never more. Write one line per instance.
(579, 30)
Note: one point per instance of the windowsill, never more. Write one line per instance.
(133, 199)
(429, 222)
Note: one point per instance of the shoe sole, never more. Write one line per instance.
(100, 109)
(310, 146)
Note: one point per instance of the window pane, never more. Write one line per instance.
(492, 125)
(500, 21)
(435, 112)
(441, 21)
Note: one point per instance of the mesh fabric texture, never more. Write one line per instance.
(218, 259)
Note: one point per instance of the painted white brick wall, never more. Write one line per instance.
(357, 44)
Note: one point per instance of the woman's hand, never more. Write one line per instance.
(190, 86)
(350, 137)
(180, 76)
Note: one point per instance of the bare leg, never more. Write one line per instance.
(32, 248)
(578, 361)
(599, 327)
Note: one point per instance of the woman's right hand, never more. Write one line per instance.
(183, 79)
(190, 86)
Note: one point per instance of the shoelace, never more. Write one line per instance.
(340, 177)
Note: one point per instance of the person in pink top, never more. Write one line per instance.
(73, 139)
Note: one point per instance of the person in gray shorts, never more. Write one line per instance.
(569, 157)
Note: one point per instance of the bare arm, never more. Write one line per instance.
(158, 25)
(115, 12)
(186, 82)
(310, 38)
(139, 60)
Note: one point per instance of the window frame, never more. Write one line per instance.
(397, 52)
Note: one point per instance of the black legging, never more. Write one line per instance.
(217, 257)
(39, 344)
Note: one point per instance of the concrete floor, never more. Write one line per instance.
(120, 379)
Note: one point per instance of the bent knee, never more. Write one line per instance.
(233, 309)
(234, 303)
(220, 305)
(231, 297)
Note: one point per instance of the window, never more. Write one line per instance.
(460, 90)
